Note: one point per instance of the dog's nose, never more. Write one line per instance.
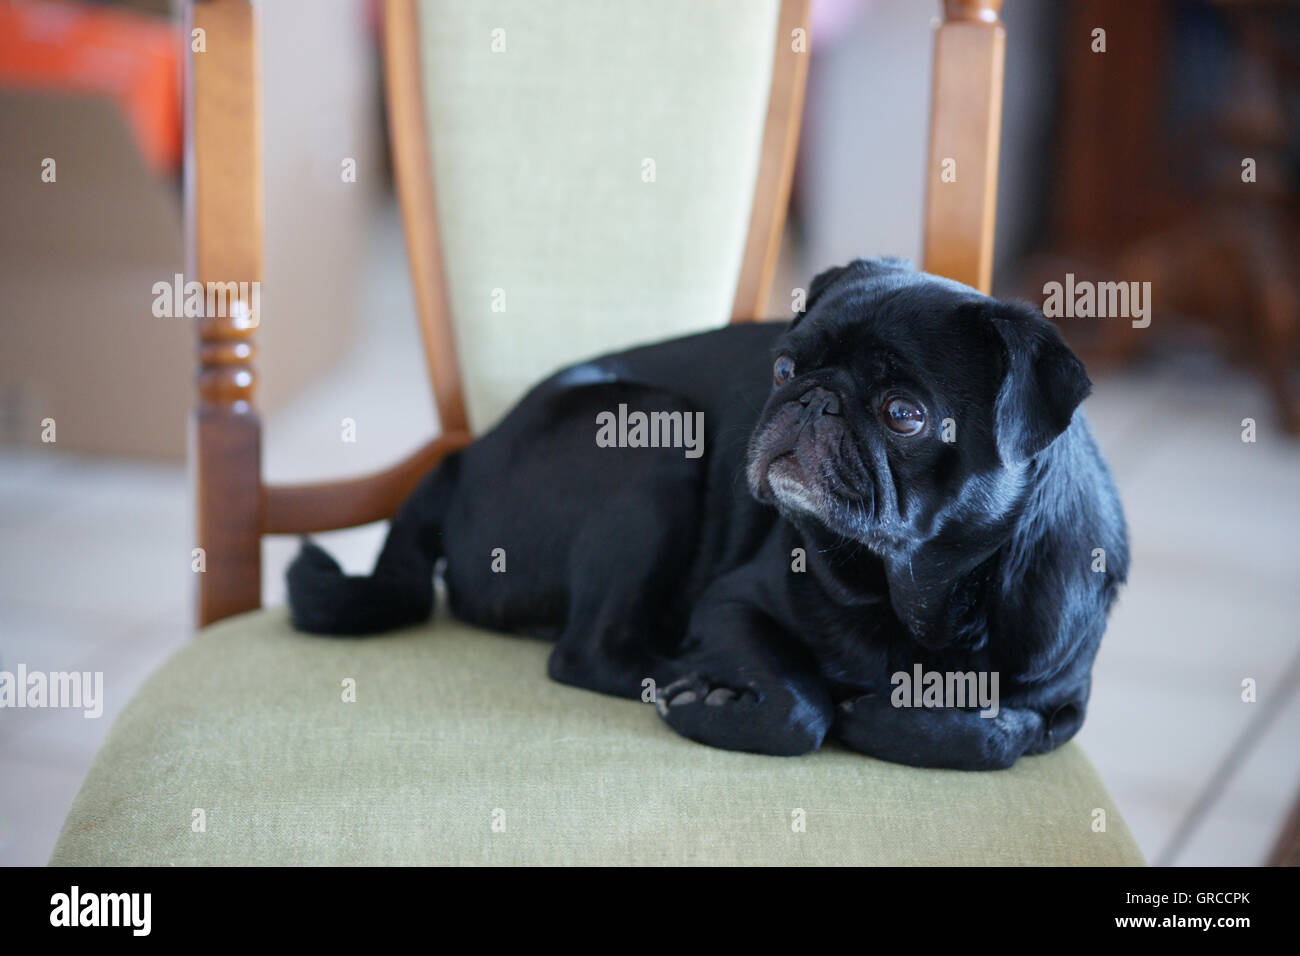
(821, 401)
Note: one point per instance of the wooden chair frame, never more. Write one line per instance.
(223, 165)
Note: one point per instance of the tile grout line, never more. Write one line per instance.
(1241, 748)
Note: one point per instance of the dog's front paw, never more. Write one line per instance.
(742, 716)
(955, 738)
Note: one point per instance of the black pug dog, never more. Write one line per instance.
(924, 500)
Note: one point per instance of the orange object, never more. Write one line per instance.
(130, 57)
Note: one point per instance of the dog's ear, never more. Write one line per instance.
(862, 268)
(823, 281)
(1043, 382)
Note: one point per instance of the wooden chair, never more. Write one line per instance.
(253, 711)
(235, 508)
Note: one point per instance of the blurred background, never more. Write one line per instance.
(1129, 165)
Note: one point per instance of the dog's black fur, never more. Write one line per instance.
(974, 554)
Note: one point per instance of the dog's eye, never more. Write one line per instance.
(783, 370)
(904, 417)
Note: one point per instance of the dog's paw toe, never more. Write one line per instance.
(693, 689)
(680, 693)
(719, 696)
(738, 716)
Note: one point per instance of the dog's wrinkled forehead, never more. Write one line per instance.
(887, 325)
(886, 302)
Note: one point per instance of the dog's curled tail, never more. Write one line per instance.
(324, 600)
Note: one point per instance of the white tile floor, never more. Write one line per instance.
(94, 575)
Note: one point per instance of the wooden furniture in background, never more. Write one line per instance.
(1161, 132)
(965, 128)
(776, 163)
(223, 160)
(413, 167)
(223, 165)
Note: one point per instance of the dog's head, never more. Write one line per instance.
(905, 406)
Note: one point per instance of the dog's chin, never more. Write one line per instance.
(790, 488)
(811, 471)
(786, 482)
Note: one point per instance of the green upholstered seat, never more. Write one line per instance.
(458, 749)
